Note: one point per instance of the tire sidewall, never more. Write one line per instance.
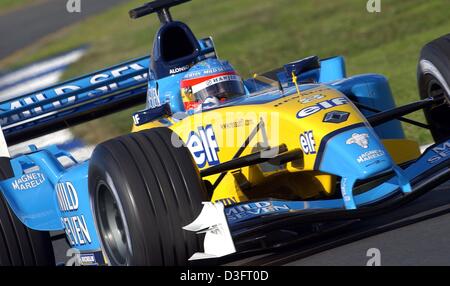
(434, 68)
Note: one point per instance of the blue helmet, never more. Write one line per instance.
(210, 79)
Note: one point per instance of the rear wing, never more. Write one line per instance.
(82, 99)
(74, 101)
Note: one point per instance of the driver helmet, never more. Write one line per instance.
(209, 83)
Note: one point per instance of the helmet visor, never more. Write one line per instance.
(223, 87)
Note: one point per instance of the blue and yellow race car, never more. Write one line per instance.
(239, 160)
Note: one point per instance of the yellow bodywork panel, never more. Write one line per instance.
(219, 135)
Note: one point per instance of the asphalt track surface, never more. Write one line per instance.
(416, 234)
(22, 27)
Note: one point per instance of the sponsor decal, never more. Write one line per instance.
(152, 97)
(362, 140)
(345, 195)
(323, 105)
(370, 155)
(311, 98)
(238, 123)
(116, 73)
(227, 201)
(307, 142)
(286, 100)
(75, 225)
(336, 116)
(136, 119)
(88, 259)
(198, 87)
(203, 146)
(441, 152)
(375, 162)
(179, 69)
(308, 96)
(77, 258)
(28, 181)
(254, 209)
(63, 89)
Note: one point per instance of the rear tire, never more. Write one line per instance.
(433, 75)
(143, 191)
(21, 246)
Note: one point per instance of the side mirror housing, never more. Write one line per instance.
(150, 114)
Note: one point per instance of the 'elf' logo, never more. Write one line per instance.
(307, 142)
(203, 146)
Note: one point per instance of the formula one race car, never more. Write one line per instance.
(241, 161)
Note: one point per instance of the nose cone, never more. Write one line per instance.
(356, 153)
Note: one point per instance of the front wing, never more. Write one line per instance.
(226, 227)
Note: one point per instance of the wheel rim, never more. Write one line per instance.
(111, 225)
(438, 114)
(435, 89)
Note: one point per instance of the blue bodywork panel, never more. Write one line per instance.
(434, 155)
(372, 90)
(59, 195)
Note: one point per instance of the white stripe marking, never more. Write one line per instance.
(37, 68)
(30, 86)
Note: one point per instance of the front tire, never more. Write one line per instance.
(433, 75)
(143, 191)
(19, 245)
